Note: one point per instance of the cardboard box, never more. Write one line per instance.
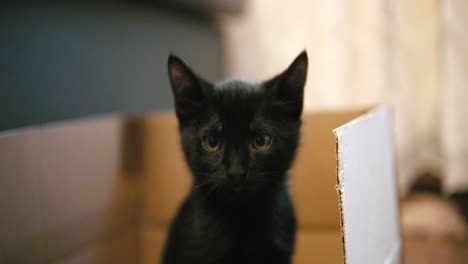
(104, 190)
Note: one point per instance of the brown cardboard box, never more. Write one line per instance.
(104, 190)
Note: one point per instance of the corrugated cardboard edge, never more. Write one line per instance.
(394, 257)
(340, 198)
(339, 174)
(339, 186)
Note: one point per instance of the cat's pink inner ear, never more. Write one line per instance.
(294, 78)
(298, 69)
(178, 76)
(175, 72)
(183, 80)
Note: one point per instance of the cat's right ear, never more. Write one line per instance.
(288, 87)
(186, 87)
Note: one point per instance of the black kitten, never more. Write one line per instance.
(239, 141)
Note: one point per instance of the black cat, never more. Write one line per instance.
(239, 141)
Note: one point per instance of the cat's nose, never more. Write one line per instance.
(237, 179)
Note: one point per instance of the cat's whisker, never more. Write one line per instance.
(274, 121)
(267, 172)
(201, 184)
(200, 172)
(211, 190)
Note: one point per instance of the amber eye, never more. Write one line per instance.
(211, 143)
(261, 142)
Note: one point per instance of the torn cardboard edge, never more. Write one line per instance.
(385, 230)
(339, 174)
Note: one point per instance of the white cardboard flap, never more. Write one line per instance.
(367, 189)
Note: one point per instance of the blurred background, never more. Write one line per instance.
(68, 60)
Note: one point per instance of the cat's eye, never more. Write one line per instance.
(261, 142)
(211, 143)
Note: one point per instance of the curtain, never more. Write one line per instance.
(410, 55)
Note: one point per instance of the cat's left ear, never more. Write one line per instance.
(288, 87)
(186, 87)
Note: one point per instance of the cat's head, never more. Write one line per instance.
(239, 137)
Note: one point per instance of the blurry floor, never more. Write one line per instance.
(433, 230)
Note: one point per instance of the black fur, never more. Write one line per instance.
(239, 210)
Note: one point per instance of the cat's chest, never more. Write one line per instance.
(238, 240)
(214, 237)
(233, 231)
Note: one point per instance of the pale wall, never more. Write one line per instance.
(365, 52)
